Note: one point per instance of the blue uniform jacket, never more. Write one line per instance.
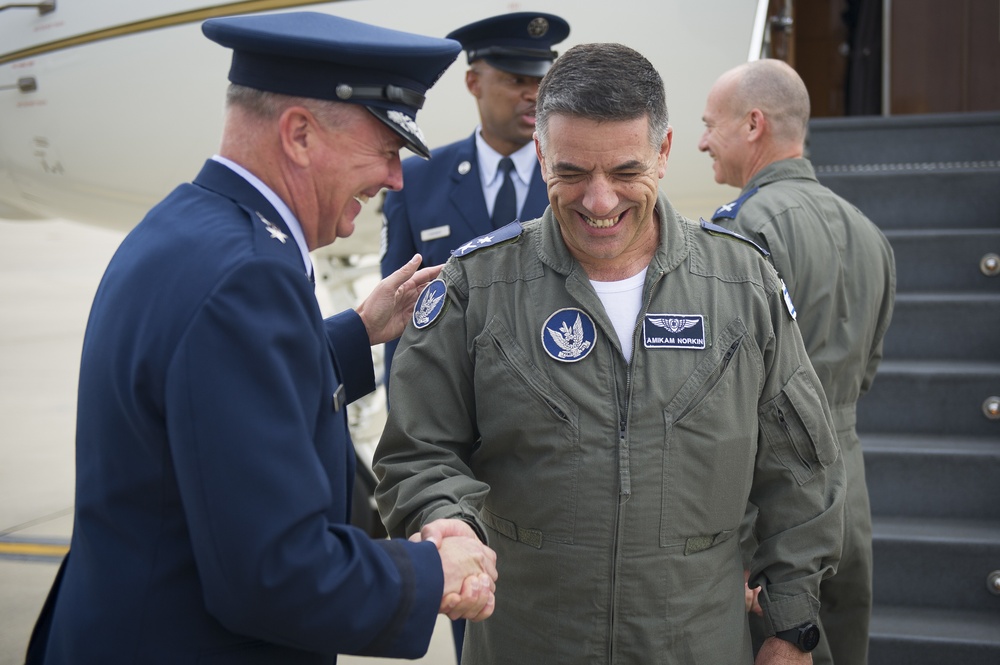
(436, 193)
(214, 465)
(444, 191)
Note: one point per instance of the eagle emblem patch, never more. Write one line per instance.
(569, 335)
(430, 304)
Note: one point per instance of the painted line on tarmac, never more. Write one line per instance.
(33, 549)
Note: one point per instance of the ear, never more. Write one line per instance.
(541, 158)
(472, 83)
(664, 152)
(296, 131)
(756, 125)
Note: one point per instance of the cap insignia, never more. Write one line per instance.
(407, 123)
(538, 27)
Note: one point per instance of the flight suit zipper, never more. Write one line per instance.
(624, 472)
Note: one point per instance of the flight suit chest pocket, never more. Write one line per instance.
(530, 433)
(795, 426)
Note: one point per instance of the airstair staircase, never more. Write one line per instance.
(930, 427)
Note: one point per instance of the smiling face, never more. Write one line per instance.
(725, 135)
(506, 105)
(354, 159)
(602, 180)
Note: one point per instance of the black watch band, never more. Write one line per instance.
(805, 637)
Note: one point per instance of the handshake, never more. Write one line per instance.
(470, 569)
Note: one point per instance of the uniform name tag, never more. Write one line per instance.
(435, 233)
(673, 331)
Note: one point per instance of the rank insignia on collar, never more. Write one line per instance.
(502, 234)
(568, 335)
(430, 304)
(673, 331)
(272, 229)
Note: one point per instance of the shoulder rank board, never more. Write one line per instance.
(730, 210)
(503, 234)
(717, 230)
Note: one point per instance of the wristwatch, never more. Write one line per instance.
(805, 637)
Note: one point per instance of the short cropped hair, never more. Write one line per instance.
(603, 82)
(269, 105)
(777, 90)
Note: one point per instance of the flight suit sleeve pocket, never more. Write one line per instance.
(796, 427)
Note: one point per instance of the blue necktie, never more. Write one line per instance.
(505, 206)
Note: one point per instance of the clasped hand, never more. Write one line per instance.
(470, 570)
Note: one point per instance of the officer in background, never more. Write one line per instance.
(214, 465)
(840, 272)
(490, 178)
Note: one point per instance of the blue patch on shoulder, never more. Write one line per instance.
(502, 234)
(569, 335)
(430, 304)
(730, 210)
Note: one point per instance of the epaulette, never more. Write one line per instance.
(729, 210)
(717, 230)
(503, 234)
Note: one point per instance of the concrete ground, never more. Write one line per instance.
(48, 274)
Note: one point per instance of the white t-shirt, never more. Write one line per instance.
(622, 301)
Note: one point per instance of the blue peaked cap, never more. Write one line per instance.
(320, 56)
(519, 42)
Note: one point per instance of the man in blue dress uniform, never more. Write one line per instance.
(214, 465)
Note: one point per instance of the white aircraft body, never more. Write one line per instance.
(106, 105)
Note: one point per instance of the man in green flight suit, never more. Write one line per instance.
(603, 389)
(840, 272)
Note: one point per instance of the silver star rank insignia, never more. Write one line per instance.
(272, 229)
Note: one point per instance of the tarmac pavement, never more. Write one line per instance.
(49, 271)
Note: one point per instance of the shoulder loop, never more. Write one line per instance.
(503, 234)
(717, 230)
(729, 210)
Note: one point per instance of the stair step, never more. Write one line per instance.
(933, 477)
(943, 260)
(940, 563)
(923, 636)
(945, 326)
(931, 198)
(932, 397)
(906, 138)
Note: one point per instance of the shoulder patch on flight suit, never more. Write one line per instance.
(717, 230)
(503, 234)
(729, 210)
(430, 303)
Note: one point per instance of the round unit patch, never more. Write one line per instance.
(430, 303)
(569, 335)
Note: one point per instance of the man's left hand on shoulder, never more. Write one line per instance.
(389, 307)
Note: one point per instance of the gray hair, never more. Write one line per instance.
(269, 105)
(603, 82)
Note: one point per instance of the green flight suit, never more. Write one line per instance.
(841, 275)
(612, 491)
